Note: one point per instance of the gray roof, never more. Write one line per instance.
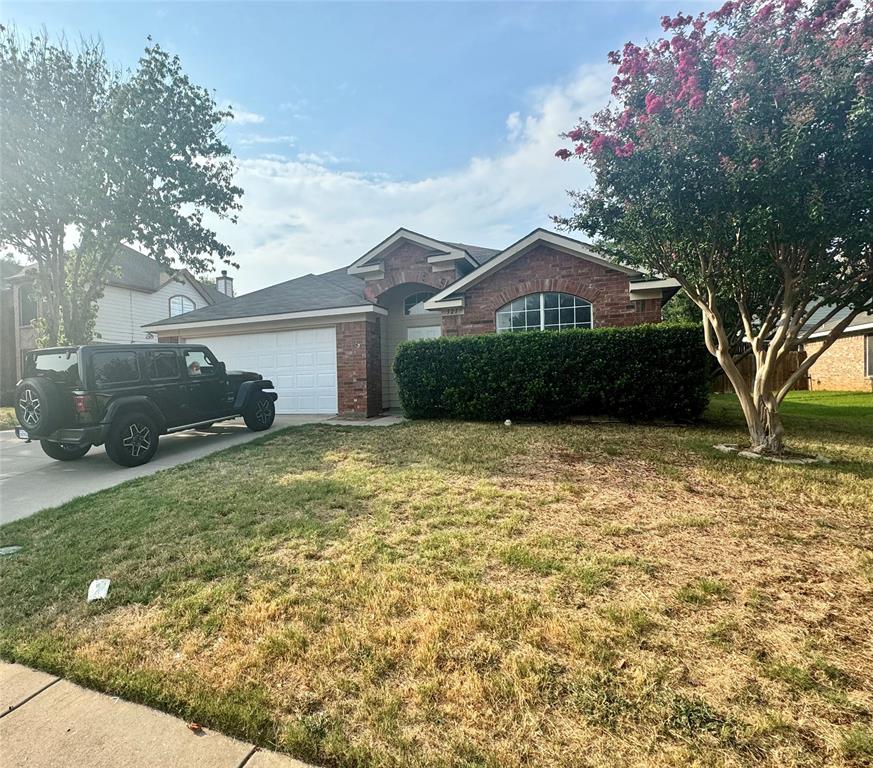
(330, 290)
(479, 254)
(310, 293)
(132, 269)
(865, 318)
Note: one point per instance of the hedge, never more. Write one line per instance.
(637, 373)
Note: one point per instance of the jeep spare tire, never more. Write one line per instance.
(38, 405)
(260, 412)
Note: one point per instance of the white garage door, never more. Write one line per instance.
(302, 365)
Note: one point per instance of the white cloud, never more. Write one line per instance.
(302, 216)
(244, 117)
(256, 138)
(320, 158)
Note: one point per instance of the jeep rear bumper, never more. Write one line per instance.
(81, 436)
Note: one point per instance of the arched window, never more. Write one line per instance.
(411, 302)
(545, 312)
(179, 305)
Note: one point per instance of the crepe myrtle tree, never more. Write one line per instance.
(91, 158)
(738, 159)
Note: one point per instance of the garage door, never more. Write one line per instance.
(302, 365)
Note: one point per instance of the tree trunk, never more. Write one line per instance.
(767, 432)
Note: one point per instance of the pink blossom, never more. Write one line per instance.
(764, 12)
(696, 101)
(654, 103)
(563, 154)
(576, 134)
(756, 164)
(625, 151)
(580, 149)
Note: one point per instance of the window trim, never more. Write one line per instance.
(542, 297)
(184, 299)
(868, 355)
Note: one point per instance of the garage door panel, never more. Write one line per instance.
(301, 364)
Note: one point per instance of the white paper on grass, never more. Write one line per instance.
(98, 589)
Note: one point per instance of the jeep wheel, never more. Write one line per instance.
(260, 413)
(64, 451)
(132, 439)
(37, 406)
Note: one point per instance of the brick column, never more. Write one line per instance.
(359, 368)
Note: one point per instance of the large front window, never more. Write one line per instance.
(545, 312)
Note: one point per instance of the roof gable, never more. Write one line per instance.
(577, 248)
(441, 252)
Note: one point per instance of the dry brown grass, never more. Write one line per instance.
(538, 596)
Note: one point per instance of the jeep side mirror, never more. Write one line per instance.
(221, 368)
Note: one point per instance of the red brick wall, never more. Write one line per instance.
(841, 366)
(359, 368)
(546, 269)
(407, 263)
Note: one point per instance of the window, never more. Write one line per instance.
(61, 367)
(868, 355)
(179, 305)
(545, 312)
(115, 368)
(198, 364)
(163, 365)
(410, 303)
(27, 305)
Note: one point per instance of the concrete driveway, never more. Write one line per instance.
(31, 481)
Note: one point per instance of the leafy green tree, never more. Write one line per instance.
(91, 158)
(739, 161)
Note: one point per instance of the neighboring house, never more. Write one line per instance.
(328, 341)
(848, 363)
(140, 291)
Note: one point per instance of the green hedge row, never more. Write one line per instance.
(637, 373)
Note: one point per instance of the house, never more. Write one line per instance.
(848, 363)
(328, 341)
(139, 291)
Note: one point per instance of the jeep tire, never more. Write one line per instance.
(260, 412)
(132, 439)
(64, 451)
(37, 405)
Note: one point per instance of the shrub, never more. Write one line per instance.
(637, 373)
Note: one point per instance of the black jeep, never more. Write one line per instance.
(125, 395)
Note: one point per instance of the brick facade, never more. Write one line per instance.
(841, 367)
(407, 263)
(359, 368)
(547, 269)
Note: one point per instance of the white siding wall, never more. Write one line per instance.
(122, 311)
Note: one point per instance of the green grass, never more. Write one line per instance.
(448, 594)
(7, 418)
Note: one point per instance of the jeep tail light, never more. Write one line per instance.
(82, 403)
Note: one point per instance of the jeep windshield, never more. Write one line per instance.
(59, 365)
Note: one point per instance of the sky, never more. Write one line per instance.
(353, 119)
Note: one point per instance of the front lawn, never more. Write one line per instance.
(446, 594)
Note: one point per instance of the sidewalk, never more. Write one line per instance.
(46, 722)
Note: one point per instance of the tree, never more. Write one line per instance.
(91, 159)
(739, 161)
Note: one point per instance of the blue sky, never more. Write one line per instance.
(356, 118)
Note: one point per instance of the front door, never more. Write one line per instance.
(424, 332)
(207, 386)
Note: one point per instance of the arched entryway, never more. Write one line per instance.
(407, 320)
